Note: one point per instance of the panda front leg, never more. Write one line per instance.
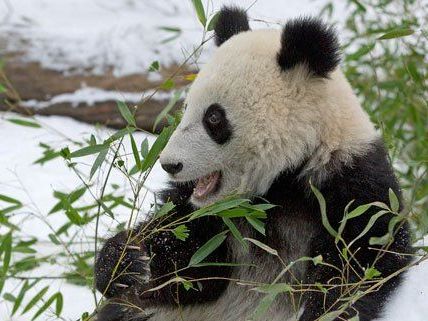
(127, 270)
(121, 272)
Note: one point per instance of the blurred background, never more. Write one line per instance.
(64, 64)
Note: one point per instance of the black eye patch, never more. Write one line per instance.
(216, 124)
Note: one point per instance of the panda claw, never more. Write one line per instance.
(120, 285)
(133, 247)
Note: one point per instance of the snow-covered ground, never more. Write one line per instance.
(126, 35)
(34, 185)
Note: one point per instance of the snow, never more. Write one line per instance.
(125, 35)
(90, 96)
(34, 184)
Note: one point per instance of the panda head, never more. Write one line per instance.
(268, 101)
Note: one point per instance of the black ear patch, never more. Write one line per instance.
(231, 21)
(311, 42)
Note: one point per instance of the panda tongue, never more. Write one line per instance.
(206, 185)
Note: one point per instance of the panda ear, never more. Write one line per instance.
(311, 42)
(231, 21)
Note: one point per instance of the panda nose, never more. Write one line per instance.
(172, 168)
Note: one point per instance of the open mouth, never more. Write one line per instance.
(207, 185)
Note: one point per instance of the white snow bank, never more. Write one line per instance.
(34, 185)
(90, 96)
(125, 35)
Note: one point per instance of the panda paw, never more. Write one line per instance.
(120, 265)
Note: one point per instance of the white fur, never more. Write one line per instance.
(279, 119)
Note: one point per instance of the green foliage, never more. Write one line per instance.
(386, 62)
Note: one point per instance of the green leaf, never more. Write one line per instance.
(165, 209)
(144, 148)
(257, 224)
(25, 287)
(35, 299)
(9, 199)
(331, 316)
(213, 21)
(126, 113)
(209, 247)
(359, 5)
(364, 50)
(54, 239)
(393, 201)
(58, 306)
(156, 149)
(173, 100)
(200, 12)
(235, 232)
(262, 246)
(2, 89)
(358, 211)
(6, 249)
(119, 134)
(371, 273)
(89, 150)
(154, 66)
(168, 84)
(397, 33)
(98, 162)
(369, 225)
(74, 216)
(383, 240)
(23, 122)
(263, 306)
(9, 297)
(135, 152)
(323, 210)
(181, 232)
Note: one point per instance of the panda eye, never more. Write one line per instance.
(214, 117)
(216, 124)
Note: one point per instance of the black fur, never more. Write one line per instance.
(230, 22)
(168, 254)
(220, 131)
(367, 179)
(310, 42)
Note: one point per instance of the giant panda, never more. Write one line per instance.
(268, 115)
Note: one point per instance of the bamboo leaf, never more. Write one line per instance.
(213, 21)
(262, 246)
(126, 113)
(173, 100)
(135, 152)
(98, 162)
(235, 232)
(210, 246)
(23, 122)
(157, 147)
(397, 33)
(88, 150)
(165, 209)
(35, 299)
(393, 201)
(200, 12)
(323, 210)
(58, 306)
